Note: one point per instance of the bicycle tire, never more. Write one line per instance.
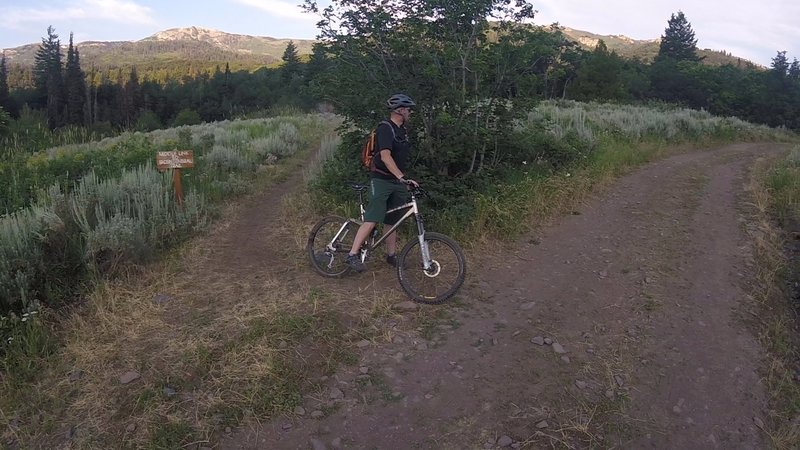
(432, 287)
(326, 262)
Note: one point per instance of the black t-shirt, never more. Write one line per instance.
(397, 143)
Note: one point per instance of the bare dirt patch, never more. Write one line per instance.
(617, 326)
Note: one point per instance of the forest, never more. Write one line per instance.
(530, 63)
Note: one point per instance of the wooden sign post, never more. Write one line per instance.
(175, 160)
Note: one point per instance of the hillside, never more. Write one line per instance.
(646, 50)
(200, 49)
(176, 45)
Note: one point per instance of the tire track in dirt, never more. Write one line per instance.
(641, 289)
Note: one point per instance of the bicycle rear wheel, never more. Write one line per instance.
(329, 243)
(442, 280)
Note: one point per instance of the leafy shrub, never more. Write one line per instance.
(272, 145)
(20, 254)
(225, 158)
(127, 219)
(5, 118)
(148, 121)
(187, 117)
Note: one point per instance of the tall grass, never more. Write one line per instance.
(94, 207)
(784, 183)
(109, 222)
(776, 191)
(590, 121)
(327, 146)
(602, 141)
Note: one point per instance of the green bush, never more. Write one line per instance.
(148, 121)
(228, 159)
(784, 182)
(187, 117)
(472, 179)
(5, 118)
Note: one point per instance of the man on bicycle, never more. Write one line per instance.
(388, 185)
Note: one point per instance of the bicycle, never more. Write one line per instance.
(424, 265)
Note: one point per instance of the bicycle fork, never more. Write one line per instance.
(423, 244)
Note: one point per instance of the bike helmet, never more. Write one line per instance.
(400, 101)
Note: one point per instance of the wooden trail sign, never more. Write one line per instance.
(176, 160)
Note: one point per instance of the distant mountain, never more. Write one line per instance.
(646, 50)
(201, 48)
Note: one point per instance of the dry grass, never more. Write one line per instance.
(777, 322)
(229, 351)
(213, 349)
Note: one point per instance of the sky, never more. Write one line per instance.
(755, 31)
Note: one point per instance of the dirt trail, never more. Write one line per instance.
(617, 326)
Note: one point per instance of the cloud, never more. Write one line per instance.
(121, 11)
(278, 8)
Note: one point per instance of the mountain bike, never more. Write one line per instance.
(431, 268)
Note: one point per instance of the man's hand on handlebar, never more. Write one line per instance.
(409, 182)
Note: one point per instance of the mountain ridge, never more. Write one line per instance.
(207, 45)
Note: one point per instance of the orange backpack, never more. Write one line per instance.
(368, 150)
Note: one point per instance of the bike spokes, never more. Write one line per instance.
(328, 245)
(444, 275)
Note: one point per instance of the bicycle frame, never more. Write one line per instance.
(413, 210)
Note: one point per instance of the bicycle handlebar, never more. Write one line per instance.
(418, 192)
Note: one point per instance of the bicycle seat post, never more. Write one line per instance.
(361, 205)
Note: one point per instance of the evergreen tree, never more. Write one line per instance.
(133, 98)
(317, 64)
(5, 99)
(794, 71)
(48, 78)
(74, 79)
(600, 76)
(678, 42)
(291, 61)
(780, 65)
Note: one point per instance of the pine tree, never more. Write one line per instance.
(600, 77)
(678, 42)
(74, 80)
(318, 63)
(5, 98)
(780, 65)
(133, 98)
(291, 61)
(48, 78)
(794, 70)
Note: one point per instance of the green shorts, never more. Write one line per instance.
(384, 195)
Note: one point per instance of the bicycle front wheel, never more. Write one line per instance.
(442, 280)
(329, 243)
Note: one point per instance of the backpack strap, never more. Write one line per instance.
(394, 136)
(377, 150)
